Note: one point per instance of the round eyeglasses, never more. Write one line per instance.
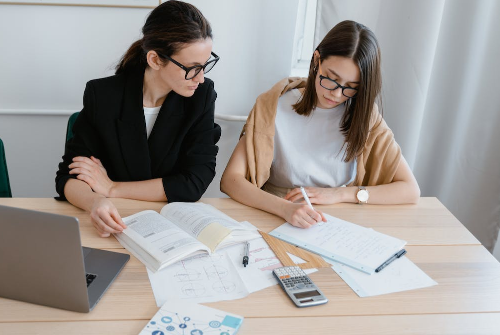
(193, 71)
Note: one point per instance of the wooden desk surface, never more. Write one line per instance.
(466, 301)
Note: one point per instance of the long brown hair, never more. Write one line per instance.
(168, 27)
(357, 42)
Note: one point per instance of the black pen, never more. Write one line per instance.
(390, 260)
(246, 254)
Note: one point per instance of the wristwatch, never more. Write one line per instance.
(362, 195)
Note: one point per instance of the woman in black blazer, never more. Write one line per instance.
(117, 152)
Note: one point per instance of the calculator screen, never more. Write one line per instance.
(307, 294)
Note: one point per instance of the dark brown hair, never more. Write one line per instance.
(355, 41)
(168, 27)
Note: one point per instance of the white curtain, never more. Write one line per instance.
(441, 96)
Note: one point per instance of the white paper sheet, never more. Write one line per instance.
(258, 274)
(203, 278)
(400, 275)
(220, 276)
(345, 242)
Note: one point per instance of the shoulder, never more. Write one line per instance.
(103, 97)
(283, 86)
(291, 96)
(377, 122)
(107, 86)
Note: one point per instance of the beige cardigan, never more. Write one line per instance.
(376, 165)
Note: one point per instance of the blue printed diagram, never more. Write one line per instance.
(170, 323)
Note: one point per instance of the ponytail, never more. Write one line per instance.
(133, 58)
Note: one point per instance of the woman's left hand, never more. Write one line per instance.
(91, 171)
(317, 195)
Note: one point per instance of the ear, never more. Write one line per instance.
(154, 60)
(316, 58)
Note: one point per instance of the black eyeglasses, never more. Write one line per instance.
(332, 85)
(193, 71)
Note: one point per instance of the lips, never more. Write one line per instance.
(193, 87)
(332, 102)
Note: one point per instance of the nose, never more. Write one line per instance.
(200, 77)
(337, 93)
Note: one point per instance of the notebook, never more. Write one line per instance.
(180, 317)
(361, 248)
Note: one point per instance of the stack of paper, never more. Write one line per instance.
(355, 252)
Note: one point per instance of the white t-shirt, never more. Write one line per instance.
(150, 115)
(308, 149)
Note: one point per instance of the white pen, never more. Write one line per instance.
(306, 198)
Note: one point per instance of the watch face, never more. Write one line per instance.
(362, 195)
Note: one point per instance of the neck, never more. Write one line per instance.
(153, 91)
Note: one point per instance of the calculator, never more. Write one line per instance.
(299, 286)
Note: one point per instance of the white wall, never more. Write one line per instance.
(48, 53)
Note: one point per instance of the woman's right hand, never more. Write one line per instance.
(105, 218)
(302, 216)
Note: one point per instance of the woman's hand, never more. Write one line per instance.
(105, 218)
(91, 171)
(302, 216)
(317, 195)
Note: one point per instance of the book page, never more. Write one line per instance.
(159, 237)
(202, 221)
(343, 241)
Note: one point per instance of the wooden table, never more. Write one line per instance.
(466, 301)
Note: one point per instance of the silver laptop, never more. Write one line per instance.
(42, 261)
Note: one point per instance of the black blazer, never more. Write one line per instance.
(181, 148)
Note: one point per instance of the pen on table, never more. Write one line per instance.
(306, 198)
(246, 254)
(390, 260)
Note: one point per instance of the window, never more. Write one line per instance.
(304, 38)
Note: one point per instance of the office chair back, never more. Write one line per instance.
(5, 191)
(71, 122)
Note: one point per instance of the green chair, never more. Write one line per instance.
(5, 191)
(71, 122)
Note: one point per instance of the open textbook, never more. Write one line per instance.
(179, 231)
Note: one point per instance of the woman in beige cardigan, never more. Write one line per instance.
(324, 133)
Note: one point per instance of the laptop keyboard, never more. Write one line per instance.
(90, 278)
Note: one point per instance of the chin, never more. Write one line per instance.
(186, 93)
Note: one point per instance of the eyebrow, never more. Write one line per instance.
(196, 63)
(335, 74)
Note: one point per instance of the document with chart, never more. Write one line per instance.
(180, 317)
(199, 279)
(217, 277)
